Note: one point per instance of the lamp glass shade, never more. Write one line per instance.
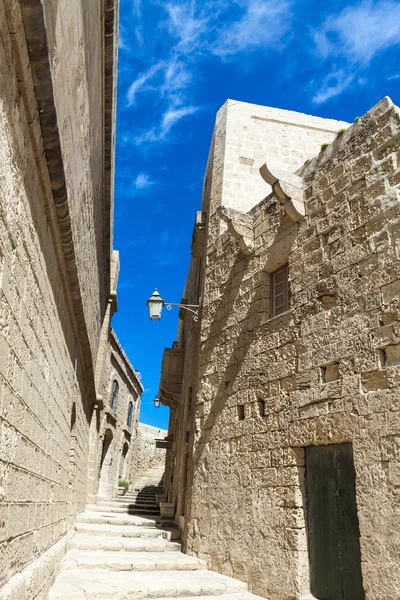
(155, 304)
(157, 402)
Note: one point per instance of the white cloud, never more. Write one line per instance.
(262, 25)
(176, 78)
(122, 45)
(360, 32)
(185, 26)
(197, 31)
(353, 38)
(143, 181)
(170, 118)
(139, 85)
(137, 8)
(334, 84)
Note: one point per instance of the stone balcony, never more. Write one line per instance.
(171, 376)
(165, 443)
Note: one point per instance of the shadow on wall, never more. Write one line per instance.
(250, 322)
(105, 462)
(241, 347)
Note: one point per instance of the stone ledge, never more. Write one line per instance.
(38, 576)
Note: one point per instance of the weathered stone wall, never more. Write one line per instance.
(247, 133)
(179, 463)
(51, 304)
(75, 42)
(146, 455)
(125, 444)
(326, 371)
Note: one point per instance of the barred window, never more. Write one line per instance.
(279, 290)
(130, 414)
(114, 394)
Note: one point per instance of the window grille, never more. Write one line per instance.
(279, 291)
(130, 414)
(114, 394)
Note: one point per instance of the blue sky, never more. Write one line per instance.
(179, 61)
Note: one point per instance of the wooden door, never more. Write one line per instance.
(333, 531)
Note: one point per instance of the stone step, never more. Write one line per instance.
(167, 531)
(117, 509)
(132, 497)
(115, 519)
(155, 480)
(129, 506)
(131, 561)
(84, 541)
(131, 500)
(130, 531)
(228, 596)
(127, 502)
(82, 584)
(146, 489)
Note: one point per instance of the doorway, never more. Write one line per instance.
(105, 482)
(125, 448)
(333, 530)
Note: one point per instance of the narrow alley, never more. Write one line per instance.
(122, 550)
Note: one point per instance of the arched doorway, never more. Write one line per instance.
(121, 473)
(106, 478)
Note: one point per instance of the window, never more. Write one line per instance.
(261, 407)
(279, 290)
(114, 394)
(130, 414)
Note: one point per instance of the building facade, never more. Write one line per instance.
(119, 430)
(147, 453)
(285, 401)
(58, 275)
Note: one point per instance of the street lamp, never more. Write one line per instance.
(156, 303)
(157, 402)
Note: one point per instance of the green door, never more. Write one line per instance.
(333, 532)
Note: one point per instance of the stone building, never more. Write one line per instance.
(147, 453)
(121, 390)
(284, 466)
(58, 273)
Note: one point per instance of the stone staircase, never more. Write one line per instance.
(121, 551)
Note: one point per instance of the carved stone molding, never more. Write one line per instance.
(171, 377)
(199, 234)
(288, 188)
(241, 227)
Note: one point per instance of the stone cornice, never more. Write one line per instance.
(33, 19)
(241, 227)
(126, 360)
(288, 188)
(111, 11)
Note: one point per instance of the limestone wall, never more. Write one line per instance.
(75, 41)
(147, 455)
(179, 457)
(51, 210)
(119, 444)
(326, 371)
(247, 133)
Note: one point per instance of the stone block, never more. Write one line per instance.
(374, 380)
(167, 510)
